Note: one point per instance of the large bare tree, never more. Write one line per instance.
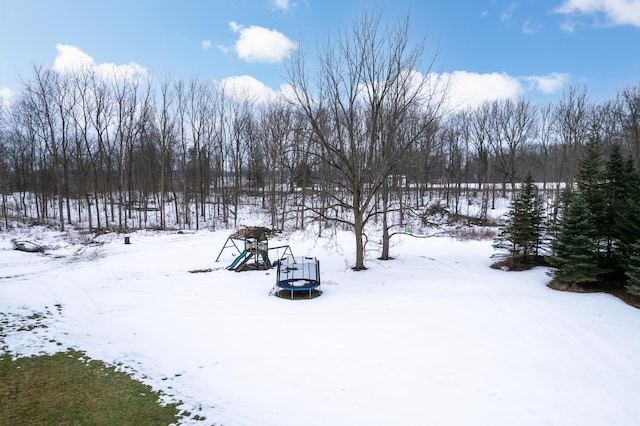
(366, 83)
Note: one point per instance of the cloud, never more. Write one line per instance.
(616, 12)
(548, 84)
(469, 89)
(568, 27)
(5, 97)
(224, 49)
(505, 17)
(529, 27)
(71, 59)
(464, 88)
(245, 87)
(259, 44)
(472, 89)
(282, 5)
(206, 44)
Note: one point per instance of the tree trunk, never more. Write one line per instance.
(385, 222)
(358, 229)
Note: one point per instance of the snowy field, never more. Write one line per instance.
(434, 337)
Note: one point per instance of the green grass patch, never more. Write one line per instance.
(69, 389)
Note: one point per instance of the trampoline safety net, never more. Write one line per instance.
(298, 273)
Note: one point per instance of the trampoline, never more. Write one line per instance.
(296, 275)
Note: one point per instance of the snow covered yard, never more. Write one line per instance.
(432, 337)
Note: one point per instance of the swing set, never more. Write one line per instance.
(252, 249)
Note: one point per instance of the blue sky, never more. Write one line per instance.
(489, 48)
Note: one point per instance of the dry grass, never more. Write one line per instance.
(476, 233)
(570, 287)
(519, 264)
(613, 287)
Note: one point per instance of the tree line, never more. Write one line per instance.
(363, 135)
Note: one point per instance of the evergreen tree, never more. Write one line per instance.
(575, 250)
(521, 236)
(633, 269)
(591, 180)
(615, 204)
(590, 177)
(627, 225)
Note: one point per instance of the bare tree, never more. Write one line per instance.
(126, 111)
(48, 96)
(511, 132)
(545, 141)
(86, 147)
(200, 118)
(480, 119)
(628, 101)
(573, 115)
(365, 87)
(275, 128)
(165, 117)
(5, 171)
(239, 119)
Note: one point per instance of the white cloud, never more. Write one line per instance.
(235, 27)
(464, 88)
(287, 93)
(282, 5)
(206, 44)
(505, 17)
(5, 97)
(245, 87)
(259, 44)
(616, 12)
(71, 59)
(224, 49)
(469, 89)
(548, 84)
(472, 89)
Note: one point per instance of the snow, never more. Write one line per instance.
(432, 337)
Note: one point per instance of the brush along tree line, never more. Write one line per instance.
(596, 237)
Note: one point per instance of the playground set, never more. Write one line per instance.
(296, 276)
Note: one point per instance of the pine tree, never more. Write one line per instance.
(591, 180)
(521, 236)
(615, 204)
(627, 225)
(590, 177)
(633, 269)
(575, 251)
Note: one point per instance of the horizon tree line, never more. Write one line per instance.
(366, 139)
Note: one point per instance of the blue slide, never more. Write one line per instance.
(237, 260)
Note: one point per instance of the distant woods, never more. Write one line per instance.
(364, 137)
